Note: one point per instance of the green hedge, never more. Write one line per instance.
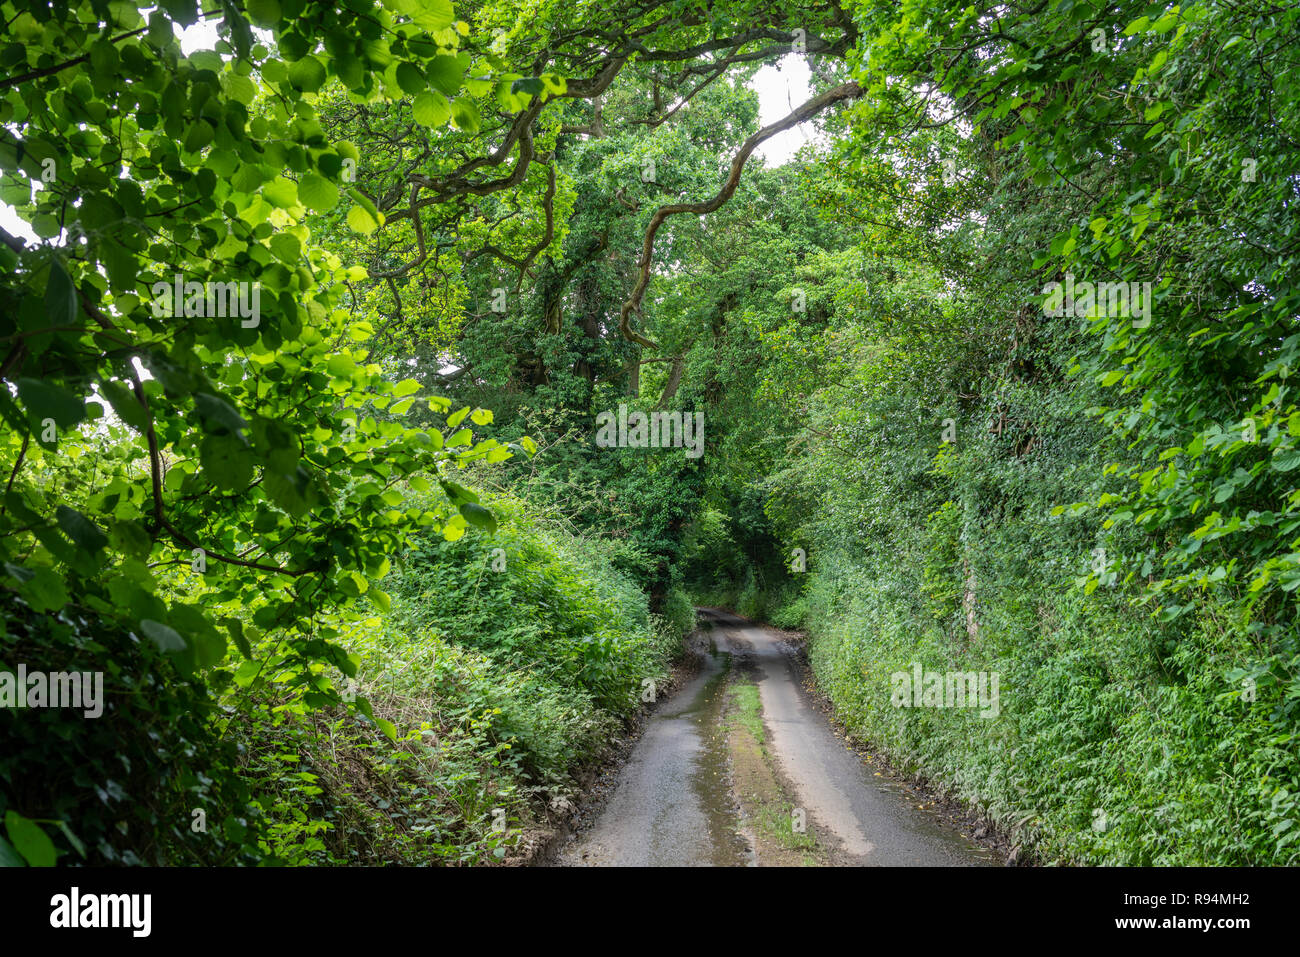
(127, 786)
(505, 665)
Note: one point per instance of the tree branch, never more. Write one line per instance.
(846, 91)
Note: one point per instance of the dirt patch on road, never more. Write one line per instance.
(780, 834)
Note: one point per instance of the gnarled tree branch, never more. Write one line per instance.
(846, 91)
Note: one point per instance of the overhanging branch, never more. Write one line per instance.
(846, 91)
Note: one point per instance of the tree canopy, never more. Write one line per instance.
(301, 284)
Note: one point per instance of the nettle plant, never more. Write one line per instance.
(215, 474)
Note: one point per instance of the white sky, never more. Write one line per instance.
(780, 89)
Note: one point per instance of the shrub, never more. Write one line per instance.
(149, 781)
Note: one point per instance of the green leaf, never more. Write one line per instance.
(121, 265)
(265, 13)
(410, 79)
(317, 193)
(246, 672)
(287, 491)
(45, 590)
(125, 405)
(30, 841)
(198, 136)
(218, 414)
(341, 365)
(530, 85)
(45, 226)
(465, 115)
(208, 644)
(77, 844)
(60, 296)
(10, 857)
(446, 74)
(47, 401)
(406, 387)
(287, 247)
(236, 629)
(431, 109)
(457, 492)
(130, 538)
(433, 15)
(164, 636)
(1287, 462)
(281, 192)
(16, 193)
(479, 517)
(360, 220)
(307, 74)
(86, 534)
(227, 460)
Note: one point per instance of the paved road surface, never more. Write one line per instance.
(671, 804)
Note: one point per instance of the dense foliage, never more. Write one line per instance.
(315, 308)
(1096, 505)
(502, 683)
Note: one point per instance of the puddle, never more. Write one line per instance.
(711, 778)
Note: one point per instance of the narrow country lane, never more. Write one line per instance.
(693, 793)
